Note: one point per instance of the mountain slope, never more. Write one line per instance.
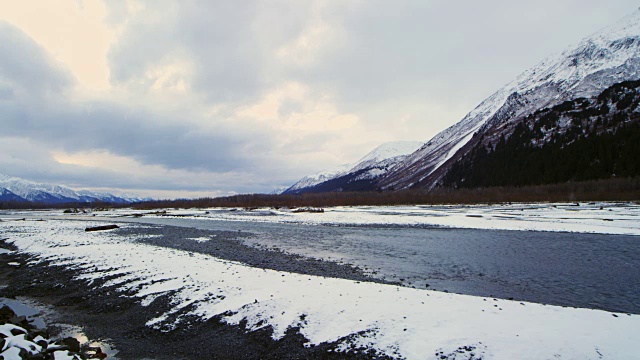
(53, 194)
(610, 56)
(582, 139)
(8, 196)
(359, 176)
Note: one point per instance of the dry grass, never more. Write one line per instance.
(599, 190)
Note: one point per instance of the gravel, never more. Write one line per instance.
(105, 313)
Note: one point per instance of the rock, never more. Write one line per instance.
(95, 352)
(18, 320)
(42, 342)
(100, 228)
(72, 343)
(6, 313)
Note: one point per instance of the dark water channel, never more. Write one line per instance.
(568, 269)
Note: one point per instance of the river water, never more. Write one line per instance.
(567, 269)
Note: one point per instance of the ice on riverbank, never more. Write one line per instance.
(391, 320)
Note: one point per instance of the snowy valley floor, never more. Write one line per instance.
(596, 217)
(159, 302)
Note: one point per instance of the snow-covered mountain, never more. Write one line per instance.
(6, 195)
(579, 140)
(360, 175)
(609, 56)
(18, 189)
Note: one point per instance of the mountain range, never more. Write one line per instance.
(585, 96)
(359, 176)
(15, 189)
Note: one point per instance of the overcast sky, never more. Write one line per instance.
(207, 98)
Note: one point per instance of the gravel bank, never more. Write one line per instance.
(105, 313)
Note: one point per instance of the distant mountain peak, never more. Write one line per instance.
(32, 191)
(369, 167)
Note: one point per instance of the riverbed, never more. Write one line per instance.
(318, 287)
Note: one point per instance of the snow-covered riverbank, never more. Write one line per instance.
(390, 320)
(597, 218)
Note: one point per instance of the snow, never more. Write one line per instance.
(621, 218)
(29, 190)
(385, 155)
(596, 218)
(389, 150)
(320, 177)
(34, 191)
(5, 330)
(21, 342)
(390, 320)
(453, 151)
(200, 239)
(63, 355)
(12, 353)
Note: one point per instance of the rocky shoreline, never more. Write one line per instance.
(103, 312)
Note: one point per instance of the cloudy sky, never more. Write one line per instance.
(206, 98)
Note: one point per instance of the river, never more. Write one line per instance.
(568, 269)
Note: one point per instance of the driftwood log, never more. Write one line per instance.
(104, 227)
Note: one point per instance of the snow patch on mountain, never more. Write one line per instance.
(319, 177)
(374, 164)
(385, 152)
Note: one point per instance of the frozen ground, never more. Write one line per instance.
(396, 321)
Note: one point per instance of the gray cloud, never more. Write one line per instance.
(229, 42)
(137, 134)
(25, 68)
(26, 74)
(450, 51)
(405, 68)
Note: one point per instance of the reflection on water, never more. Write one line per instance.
(21, 308)
(36, 315)
(76, 332)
